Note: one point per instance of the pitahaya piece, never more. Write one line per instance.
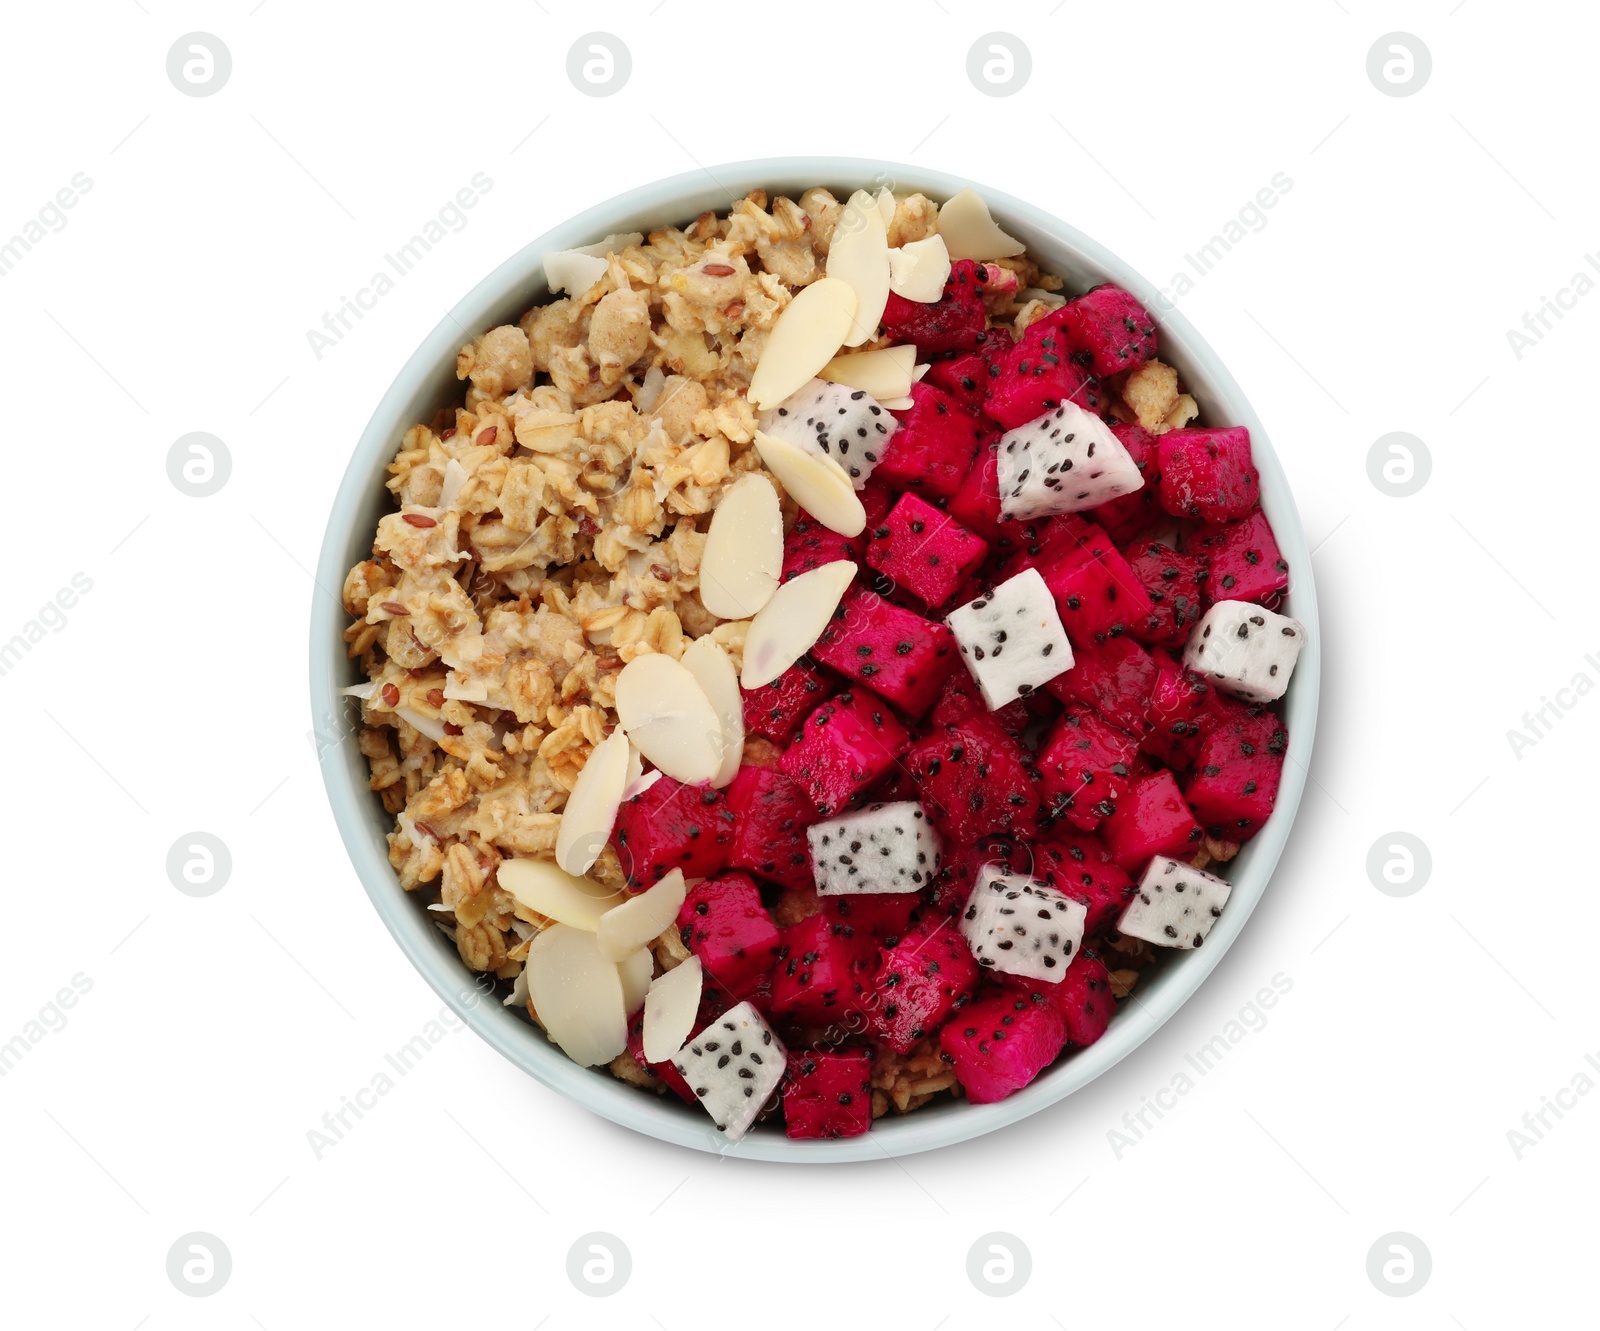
(820, 972)
(1063, 462)
(1246, 564)
(1178, 703)
(1020, 926)
(844, 748)
(959, 867)
(1036, 376)
(1176, 584)
(934, 447)
(1246, 650)
(845, 424)
(1079, 866)
(1107, 330)
(828, 1095)
(961, 698)
(668, 826)
(974, 780)
(1175, 906)
(809, 545)
(924, 550)
(1011, 638)
(882, 848)
(724, 924)
(957, 321)
(1098, 595)
(1084, 999)
(976, 502)
(1044, 541)
(1129, 515)
(969, 378)
(1208, 474)
(664, 1072)
(771, 815)
(1116, 678)
(1085, 766)
(888, 648)
(1151, 819)
(883, 917)
(999, 1044)
(919, 982)
(1237, 771)
(732, 1066)
(774, 711)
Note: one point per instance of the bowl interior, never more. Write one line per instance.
(428, 382)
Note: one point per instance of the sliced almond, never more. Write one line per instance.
(363, 690)
(743, 554)
(455, 476)
(671, 1008)
(612, 244)
(817, 483)
(635, 970)
(898, 403)
(637, 921)
(806, 336)
(713, 670)
(884, 373)
(577, 994)
(918, 271)
(859, 254)
(971, 233)
(667, 714)
(642, 783)
(635, 772)
(431, 726)
(591, 809)
(549, 890)
(573, 271)
(792, 621)
(886, 206)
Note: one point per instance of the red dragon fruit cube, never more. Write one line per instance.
(1151, 819)
(1079, 866)
(1208, 474)
(673, 826)
(968, 378)
(1000, 1043)
(1085, 766)
(1116, 678)
(774, 711)
(1246, 564)
(723, 922)
(827, 1095)
(1084, 999)
(1237, 770)
(1107, 330)
(957, 321)
(883, 917)
(974, 780)
(810, 545)
(961, 698)
(1176, 584)
(771, 815)
(844, 748)
(665, 1073)
(924, 550)
(889, 649)
(934, 447)
(1127, 516)
(918, 983)
(1038, 375)
(1097, 594)
(976, 502)
(1178, 711)
(820, 970)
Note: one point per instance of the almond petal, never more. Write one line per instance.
(886, 206)
(671, 1008)
(667, 714)
(884, 373)
(573, 271)
(612, 244)
(641, 919)
(642, 783)
(792, 621)
(898, 403)
(817, 483)
(635, 970)
(591, 808)
(743, 554)
(713, 670)
(859, 253)
(549, 890)
(805, 337)
(577, 994)
(918, 271)
(970, 233)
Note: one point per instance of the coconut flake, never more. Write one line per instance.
(792, 621)
(884, 373)
(363, 691)
(743, 553)
(642, 918)
(818, 484)
(859, 254)
(518, 997)
(591, 808)
(655, 379)
(1053, 299)
(431, 726)
(455, 476)
(971, 233)
(806, 336)
(918, 271)
(635, 970)
(549, 890)
(573, 271)
(578, 995)
(612, 244)
(667, 714)
(671, 1008)
(713, 670)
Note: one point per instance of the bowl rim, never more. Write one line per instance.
(516, 284)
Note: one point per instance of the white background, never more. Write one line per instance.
(218, 1031)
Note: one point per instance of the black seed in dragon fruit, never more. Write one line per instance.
(845, 424)
(882, 848)
(1020, 926)
(1011, 638)
(1063, 462)
(1246, 650)
(1175, 906)
(733, 1066)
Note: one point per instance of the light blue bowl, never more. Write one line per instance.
(428, 382)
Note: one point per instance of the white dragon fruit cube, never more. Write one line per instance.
(733, 1066)
(1011, 638)
(1065, 461)
(1245, 650)
(846, 424)
(882, 848)
(1176, 904)
(1021, 926)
